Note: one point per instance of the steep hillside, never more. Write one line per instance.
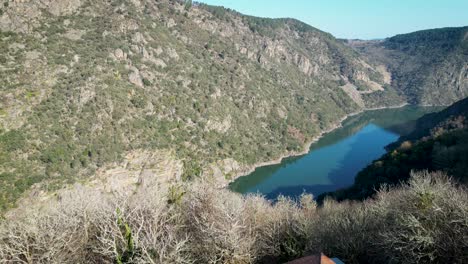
(428, 67)
(89, 88)
(85, 83)
(439, 142)
(141, 108)
(435, 124)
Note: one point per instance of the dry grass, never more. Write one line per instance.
(424, 221)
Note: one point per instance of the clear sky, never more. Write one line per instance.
(364, 19)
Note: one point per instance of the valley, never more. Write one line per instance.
(85, 84)
(173, 131)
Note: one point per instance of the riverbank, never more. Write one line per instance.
(306, 148)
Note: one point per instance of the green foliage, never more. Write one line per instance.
(192, 170)
(12, 140)
(12, 186)
(453, 117)
(146, 82)
(218, 12)
(138, 101)
(175, 194)
(264, 26)
(188, 5)
(209, 104)
(125, 252)
(445, 38)
(416, 60)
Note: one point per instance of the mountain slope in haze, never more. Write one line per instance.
(85, 83)
(428, 67)
(439, 142)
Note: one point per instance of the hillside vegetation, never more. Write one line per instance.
(120, 119)
(83, 83)
(428, 67)
(86, 84)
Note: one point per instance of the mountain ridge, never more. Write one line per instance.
(423, 63)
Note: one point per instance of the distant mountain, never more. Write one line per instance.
(88, 85)
(439, 142)
(428, 67)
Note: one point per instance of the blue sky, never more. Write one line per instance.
(364, 19)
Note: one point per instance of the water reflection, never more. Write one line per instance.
(335, 159)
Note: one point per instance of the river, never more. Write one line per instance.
(335, 159)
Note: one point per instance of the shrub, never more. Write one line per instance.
(12, 141)
(345, 230)
(94, 228)
(218, 233)
(422, 221)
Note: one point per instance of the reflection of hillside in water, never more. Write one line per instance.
(399, 121)
(366, 145)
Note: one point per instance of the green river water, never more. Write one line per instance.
(335, 159)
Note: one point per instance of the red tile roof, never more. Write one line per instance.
(313, 259)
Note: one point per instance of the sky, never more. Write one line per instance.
(362, 19)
